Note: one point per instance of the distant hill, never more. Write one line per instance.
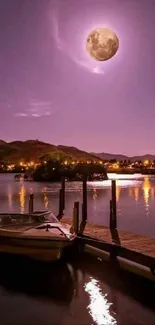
(2, 142)
(118, 157)
(33, 150)
(143, 157)
(110, 156)
(77, 153)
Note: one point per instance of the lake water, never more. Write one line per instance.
(135, 199)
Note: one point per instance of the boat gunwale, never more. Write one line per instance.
(33, 237)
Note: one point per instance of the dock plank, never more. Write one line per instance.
(135, 242)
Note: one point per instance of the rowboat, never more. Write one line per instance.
(38, 235)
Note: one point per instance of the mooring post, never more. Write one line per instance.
(61, 198)
(31, 199)
(60, 205)
(76, 217)
(83, 223)
(63, 191)
(113, 215)
(84, 205)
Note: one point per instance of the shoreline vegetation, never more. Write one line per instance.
(42, 175)
(53, 170)
(144, 171)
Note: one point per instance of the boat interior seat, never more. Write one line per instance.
(6, 220)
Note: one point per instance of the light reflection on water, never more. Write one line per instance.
(118, 193)
(99, 306)
(46, 200)
(146, 193)
(124, 176)
(135, 195)
(119, 182)
(22, 198)
(10, 197)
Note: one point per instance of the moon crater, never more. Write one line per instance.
(102, 44)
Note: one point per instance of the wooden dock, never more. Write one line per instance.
(126, 243)
(135, 242)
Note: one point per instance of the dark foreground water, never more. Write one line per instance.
(77, 293)
(135, 200)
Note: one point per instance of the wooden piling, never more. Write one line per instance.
(82, 223)
(31, 199)
(113, 214)
(60, 214)
(63, 192)
(84, 205)
(61, 198)
(76, 217)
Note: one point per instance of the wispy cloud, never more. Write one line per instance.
(84, 61)
(35, 115)
(37, 109)
(21, 114)
(40, 104)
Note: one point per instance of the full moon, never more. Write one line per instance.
(102, 44)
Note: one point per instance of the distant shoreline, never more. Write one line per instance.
(120, 172)
(132, 172)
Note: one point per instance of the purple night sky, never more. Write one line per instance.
(51, 90)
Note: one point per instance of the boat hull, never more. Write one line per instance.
(38, 235)
(43, 250)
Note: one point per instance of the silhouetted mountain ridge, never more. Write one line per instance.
(118, 157)
(34, 149)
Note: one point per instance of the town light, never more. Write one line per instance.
(146, 162)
